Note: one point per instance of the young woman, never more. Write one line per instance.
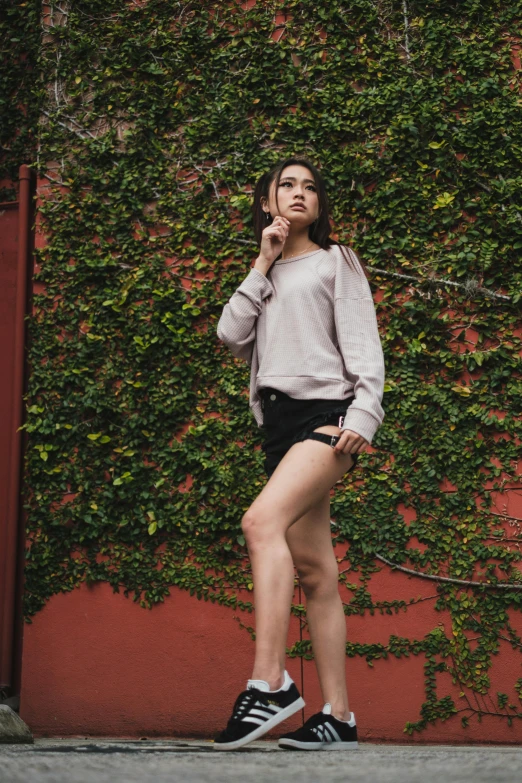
(304, 319)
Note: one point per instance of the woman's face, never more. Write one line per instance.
(296, 195)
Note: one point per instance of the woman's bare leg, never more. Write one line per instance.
(310, 542)
(301, 480)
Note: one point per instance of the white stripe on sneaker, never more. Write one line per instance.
(334, 735)
(253, 719)
(328, 736)
(265, 712)
(266, 707)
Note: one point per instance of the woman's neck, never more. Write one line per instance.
(297, 244)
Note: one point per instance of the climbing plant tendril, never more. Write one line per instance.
(156, 119)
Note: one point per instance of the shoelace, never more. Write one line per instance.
(243, 703)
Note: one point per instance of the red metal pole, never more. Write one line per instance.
(8, 557)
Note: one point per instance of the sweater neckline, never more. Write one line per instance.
(297, 258)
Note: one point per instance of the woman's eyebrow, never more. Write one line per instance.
(305, 180)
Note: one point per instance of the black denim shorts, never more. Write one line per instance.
(287, 421)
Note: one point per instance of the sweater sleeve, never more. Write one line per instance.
(360, 346)
(237, 325)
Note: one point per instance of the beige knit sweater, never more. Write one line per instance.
(311, 332)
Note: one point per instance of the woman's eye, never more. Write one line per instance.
(289, 183)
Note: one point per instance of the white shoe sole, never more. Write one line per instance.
(291, 743)
(270, 723)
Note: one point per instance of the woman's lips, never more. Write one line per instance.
(298, 206)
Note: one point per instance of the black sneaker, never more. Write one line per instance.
(257, 710)
(323, 732)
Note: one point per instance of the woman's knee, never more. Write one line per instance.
(254, 525)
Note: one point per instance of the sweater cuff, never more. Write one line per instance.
(257, 283)
(361, 422)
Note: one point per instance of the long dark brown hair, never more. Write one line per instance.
(319, 230)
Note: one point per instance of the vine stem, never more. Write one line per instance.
(471, 288)
(482, 712)
(301, 623)
(388, 273)
(436, 578)
(406, 25)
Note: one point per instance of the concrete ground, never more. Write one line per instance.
(193, 761)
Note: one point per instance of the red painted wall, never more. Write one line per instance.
(95, 663)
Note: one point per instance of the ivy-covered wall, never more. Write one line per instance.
(19, 110)
(156, 119)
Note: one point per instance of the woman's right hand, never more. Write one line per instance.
(273, 240)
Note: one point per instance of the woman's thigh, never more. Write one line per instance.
(306, 473)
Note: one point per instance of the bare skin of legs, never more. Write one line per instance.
(289, 523)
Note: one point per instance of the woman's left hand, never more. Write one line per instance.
(350, 443)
